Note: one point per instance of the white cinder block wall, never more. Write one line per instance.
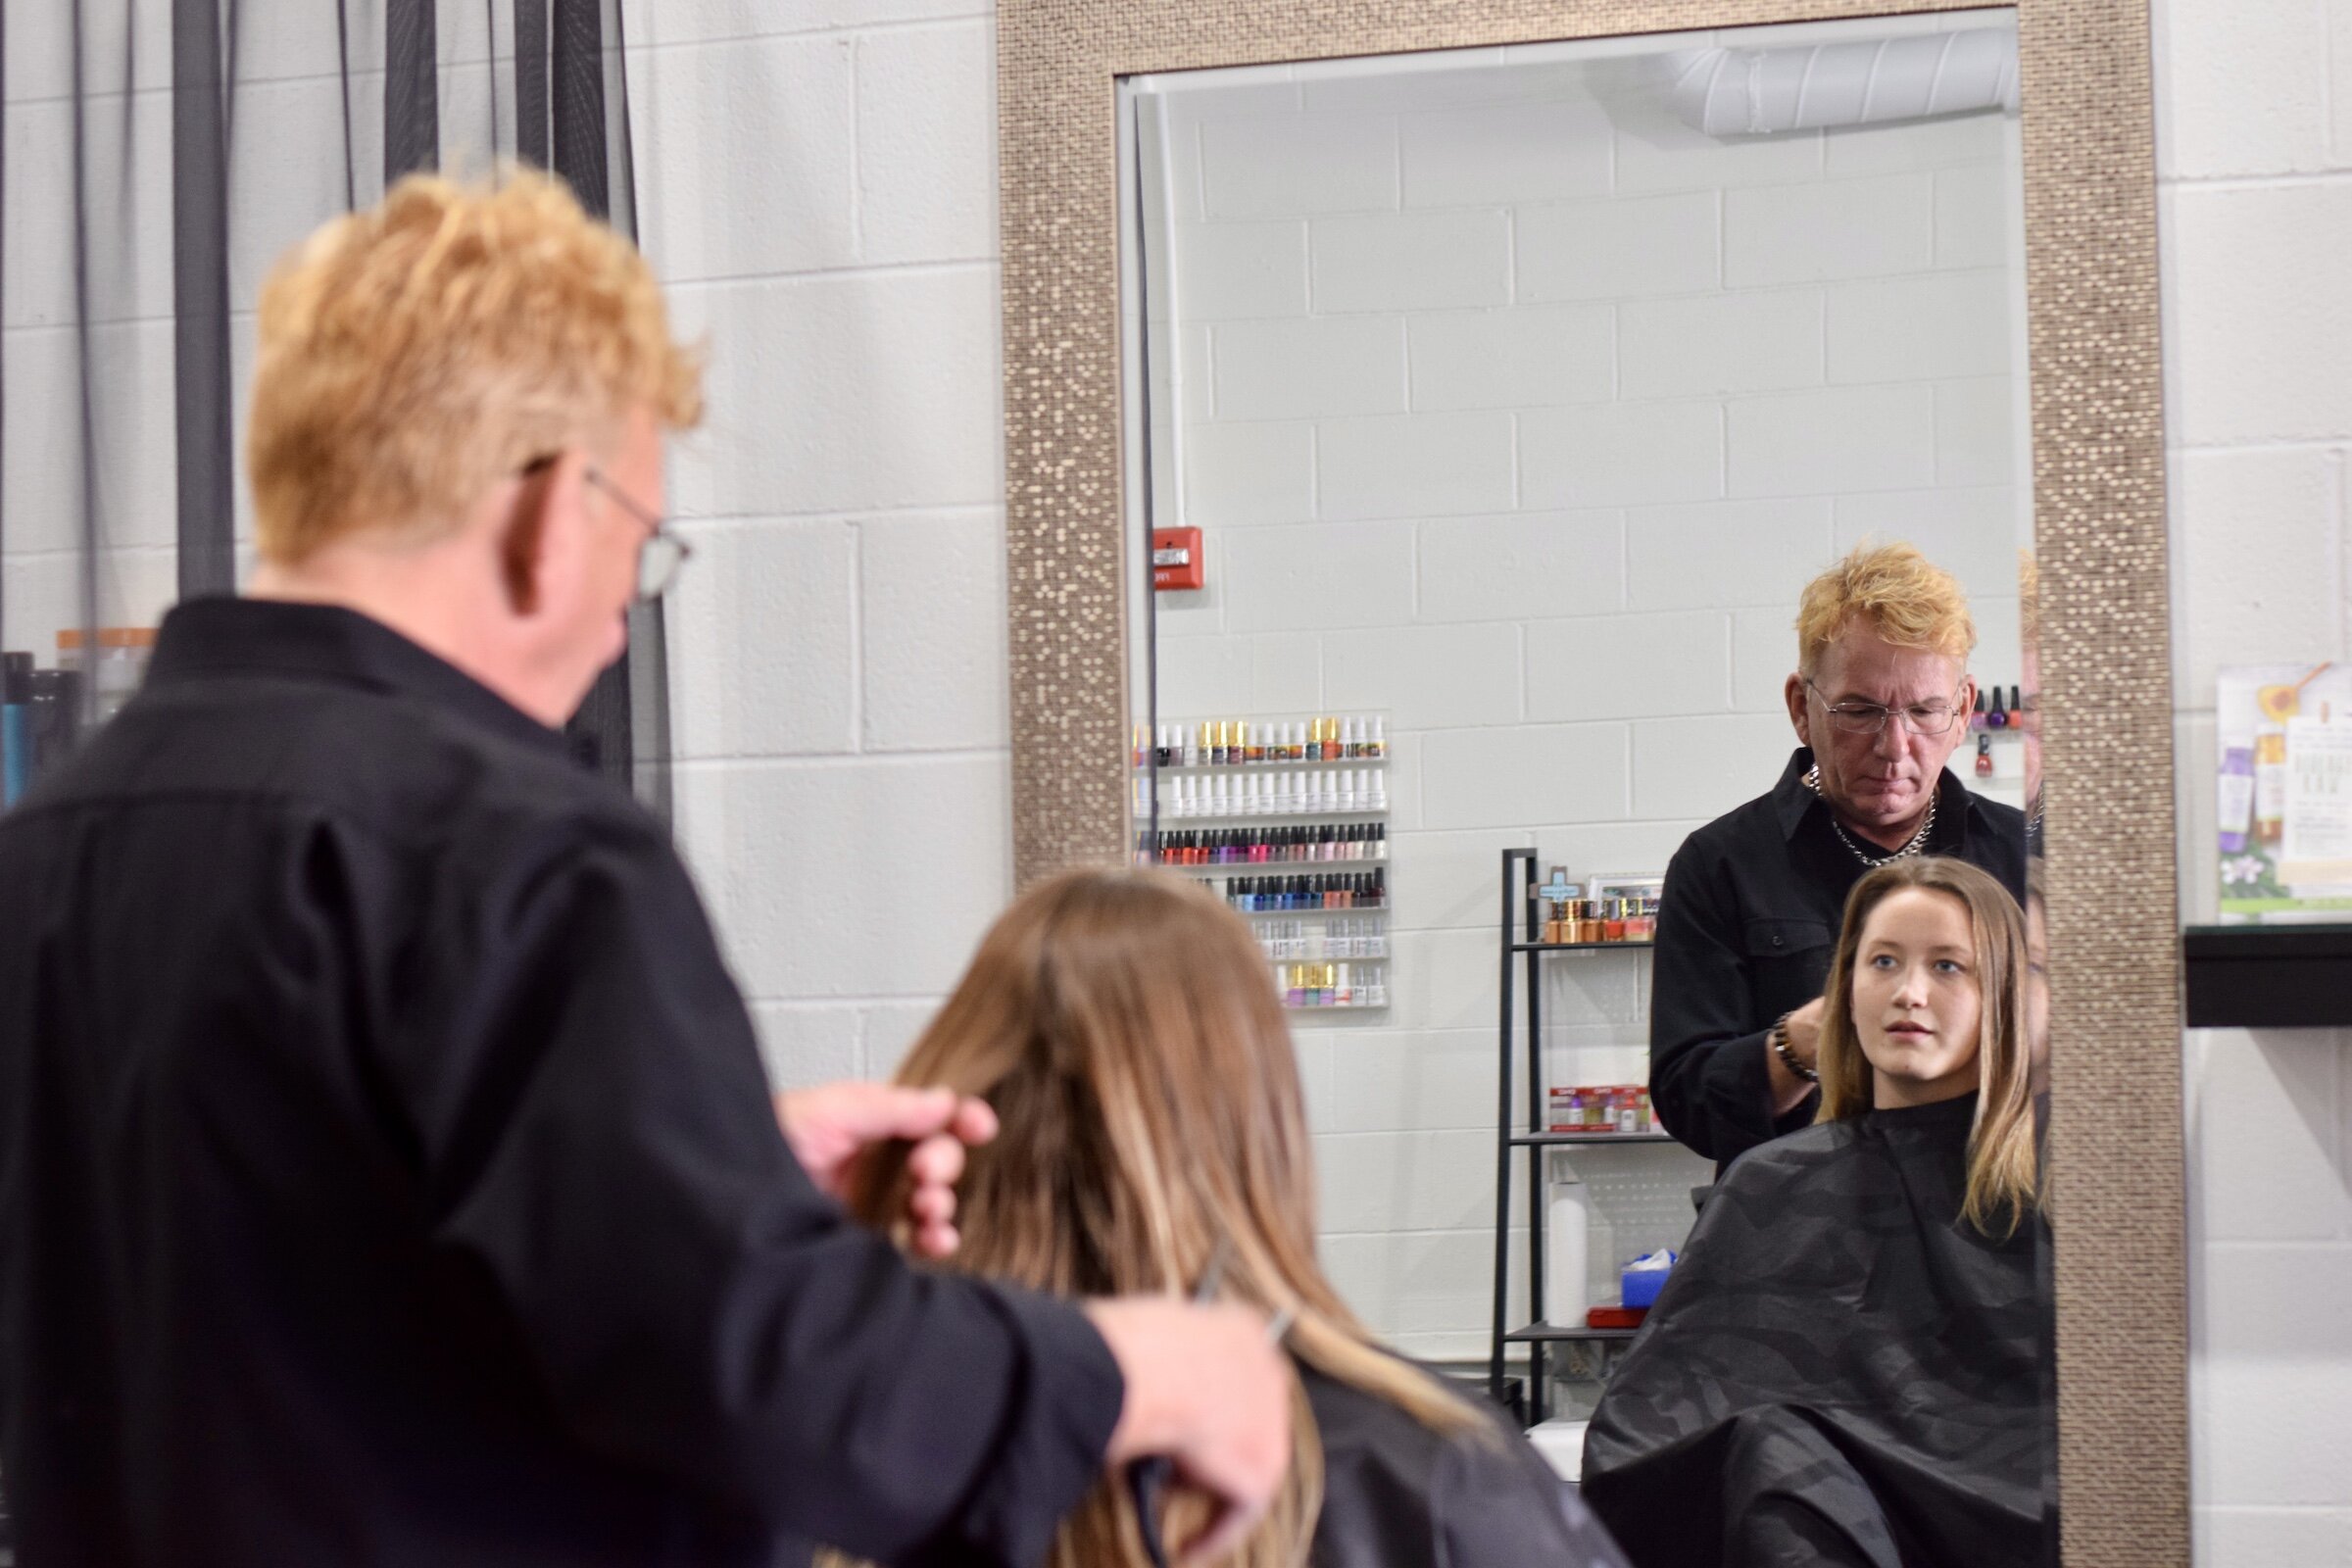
(818, 189)
(2254, 145)
(852, 320)
(1518, 411)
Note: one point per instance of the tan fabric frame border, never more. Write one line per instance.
(2098, 455)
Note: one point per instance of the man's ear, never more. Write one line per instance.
(524, 539)
(1794, 694)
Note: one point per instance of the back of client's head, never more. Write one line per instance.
(2002, 1181)
(1124, 1026)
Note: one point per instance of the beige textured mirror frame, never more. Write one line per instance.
(2099, 476)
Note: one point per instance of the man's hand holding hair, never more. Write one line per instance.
(828, 1127)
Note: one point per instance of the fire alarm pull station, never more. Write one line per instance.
(1176, 558)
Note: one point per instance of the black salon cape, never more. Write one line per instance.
(387, 1175)
(1396, 1495)
(1840, 1371)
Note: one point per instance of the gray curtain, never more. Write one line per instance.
(143, 221)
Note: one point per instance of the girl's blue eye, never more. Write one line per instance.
(1950, 966)
(1885, 960)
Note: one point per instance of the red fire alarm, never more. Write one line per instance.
(1176, 558)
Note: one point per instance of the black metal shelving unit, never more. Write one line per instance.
(1521, 925)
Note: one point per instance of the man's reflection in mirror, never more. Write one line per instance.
(1879, 701)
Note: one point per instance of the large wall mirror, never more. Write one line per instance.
(1420, 436)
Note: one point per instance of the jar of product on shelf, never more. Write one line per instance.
(122, 656)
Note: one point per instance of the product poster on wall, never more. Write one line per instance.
(2285, 792)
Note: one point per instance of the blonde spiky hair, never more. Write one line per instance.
(1900, 593)
(413, 355)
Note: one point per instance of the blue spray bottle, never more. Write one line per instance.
(16, 727)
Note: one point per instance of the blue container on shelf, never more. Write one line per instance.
(1640, 1280)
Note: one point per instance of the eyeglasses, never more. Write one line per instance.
(1869, 718)
(663, 553)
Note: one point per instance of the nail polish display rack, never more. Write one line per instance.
(1296, 844)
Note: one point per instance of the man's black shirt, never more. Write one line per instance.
(388, 1174)
(1747, 923)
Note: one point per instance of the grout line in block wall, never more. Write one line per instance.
(1315, 469)
(938, 23)
(856, 147)
(1625, 559)
(835, 761)
(2284, 1244)
(2230, 182)
(860, 272)
(1518, 459)
(1722, 242)
(1520, 665)
(2336, 535)
(985, 510)
(1510, 256)
(1730, 661)
(859, 739)
(2316, 443)
(1616, 351)
(2329, 22)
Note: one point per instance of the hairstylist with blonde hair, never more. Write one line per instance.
(1878, 700)
(386, 1169)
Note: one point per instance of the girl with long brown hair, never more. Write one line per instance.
(1125, 1028)
(1926, 1001)
(1845, 1365)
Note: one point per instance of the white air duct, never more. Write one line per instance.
(1731, 92)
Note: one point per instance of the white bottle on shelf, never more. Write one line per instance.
(1379, 800)
(1568, 1220)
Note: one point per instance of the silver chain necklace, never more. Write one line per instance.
(1919, 840)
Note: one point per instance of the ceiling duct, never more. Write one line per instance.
(1748, 92)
